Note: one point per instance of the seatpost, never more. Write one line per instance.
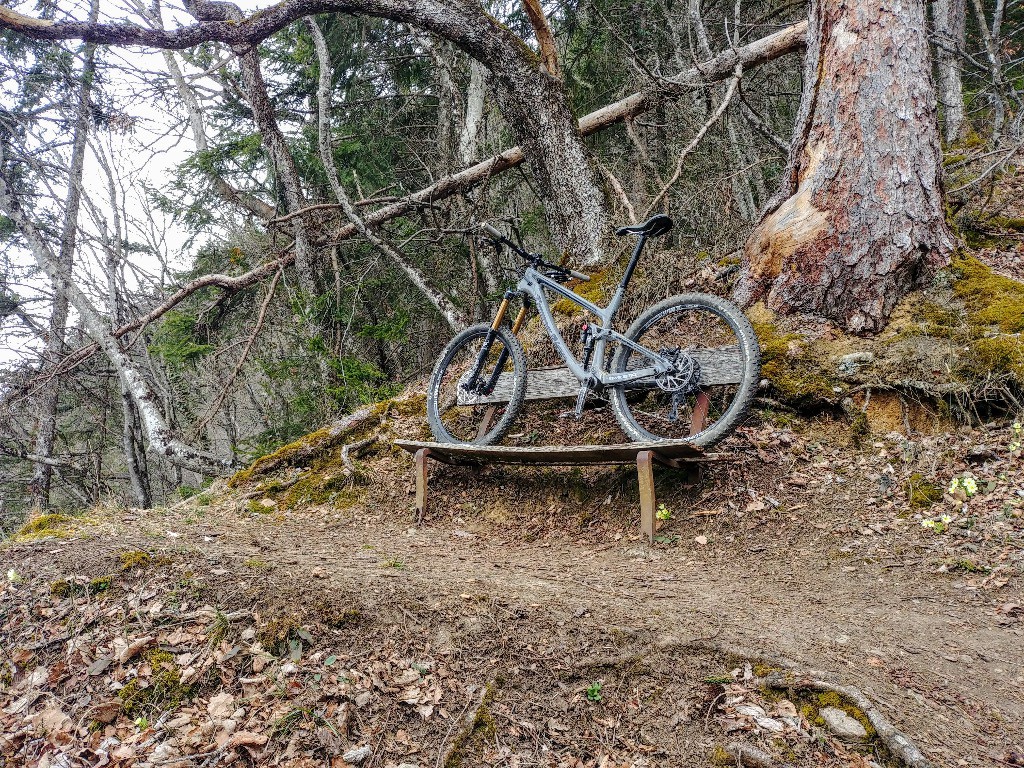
(633, 260)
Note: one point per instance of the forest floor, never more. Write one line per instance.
(524, 622)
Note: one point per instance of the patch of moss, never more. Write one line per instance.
(479, 732)
(719, 756)
(860, 429)
(135, 558)
(275, 634)
(319, 486)
(1008, 222)
(162, 692)
(966, 565)
(321, 442)
(256, 564)
(595, 291)
(999, 356)
(795, 370)
(993, 301)
(921, 492)
(938, 321)
(46, 526)
(63, 588)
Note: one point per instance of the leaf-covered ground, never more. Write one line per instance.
(525, 623)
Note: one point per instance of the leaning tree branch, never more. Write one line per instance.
(721, 67)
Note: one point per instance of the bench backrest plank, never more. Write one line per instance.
(717, 366)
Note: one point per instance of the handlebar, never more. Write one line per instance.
(500, 238)
(491, 231)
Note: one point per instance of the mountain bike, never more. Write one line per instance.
(686, 369)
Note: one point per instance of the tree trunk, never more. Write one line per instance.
(950, 18)
(859, 220)
(54, 349)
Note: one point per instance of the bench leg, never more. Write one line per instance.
(645, 474)
(421, 484)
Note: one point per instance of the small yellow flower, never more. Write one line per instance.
(954, 485)
(946, 519)
(970, 485)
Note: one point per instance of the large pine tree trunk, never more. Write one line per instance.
(859, 219)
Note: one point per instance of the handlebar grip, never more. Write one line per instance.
(491, 231)
(579, 276)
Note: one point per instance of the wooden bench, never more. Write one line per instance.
(674, 454)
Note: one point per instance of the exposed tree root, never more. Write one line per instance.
(753, 757)
(896, 743)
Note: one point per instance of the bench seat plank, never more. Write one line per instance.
(670, 453)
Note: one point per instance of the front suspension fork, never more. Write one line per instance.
(485, 350)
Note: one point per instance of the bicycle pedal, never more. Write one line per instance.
(581, 399)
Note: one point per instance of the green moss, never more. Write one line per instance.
(860, 429)
(135, 558)
(993, 301)
(596, 292)
(46, 526)
(967, 565)
(935, 320)
(479, 733)
(795, 370)
(922, 493)
(719, 756)
(256, 564)
(321, 442)
(163, 691)
(1008, 222)
(65, 588)
(833, 699)
(995, 356)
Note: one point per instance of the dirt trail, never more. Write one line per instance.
(567, 592)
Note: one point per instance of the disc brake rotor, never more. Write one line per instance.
(684, 375)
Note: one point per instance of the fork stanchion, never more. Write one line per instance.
(645, 474)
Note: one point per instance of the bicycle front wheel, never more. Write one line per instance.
(470, 400)
(719, 369)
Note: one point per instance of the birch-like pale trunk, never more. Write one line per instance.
(950, 21)
(161, 438)
(476, 93)
(859, 220)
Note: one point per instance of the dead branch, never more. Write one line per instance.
(355, 448)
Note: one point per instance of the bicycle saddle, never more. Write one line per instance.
(654, 226)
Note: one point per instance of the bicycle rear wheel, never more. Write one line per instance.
(461, 410)
(716, 336)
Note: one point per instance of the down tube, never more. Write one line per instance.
(556, 337)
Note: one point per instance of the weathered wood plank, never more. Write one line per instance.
(674, 453)
(718, 366)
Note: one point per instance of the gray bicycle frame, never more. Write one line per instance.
(533, 284)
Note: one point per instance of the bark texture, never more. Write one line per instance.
(859, 219)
